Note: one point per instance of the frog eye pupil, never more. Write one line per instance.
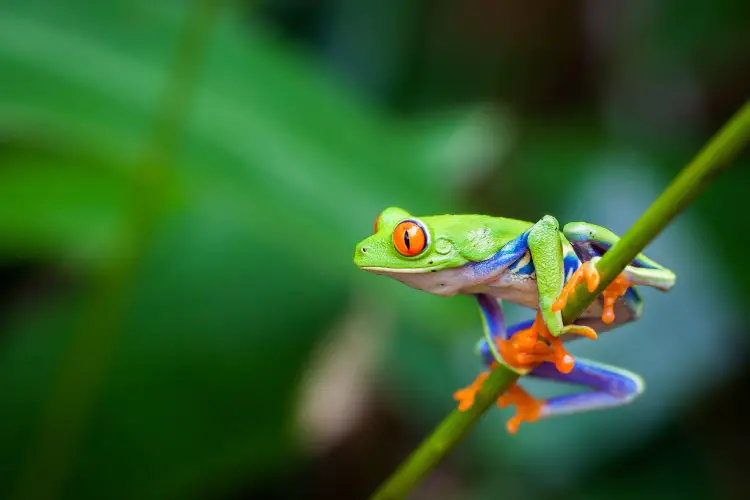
(410, 238)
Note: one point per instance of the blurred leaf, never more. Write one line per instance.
(707, 34)
(465, 143)
(56, 205)
(279, 176)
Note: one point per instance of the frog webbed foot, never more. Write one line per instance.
(467, 395)
(528, 409)
(588, 272)
(525, 350)
(614, 291)
(528, 348)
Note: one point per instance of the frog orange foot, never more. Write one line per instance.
(614, 291)
(528, 409)
(467, 395)
(535, 345)
(589, 273)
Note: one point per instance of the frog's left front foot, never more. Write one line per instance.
(590, 274)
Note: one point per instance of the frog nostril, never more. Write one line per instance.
(364, 249)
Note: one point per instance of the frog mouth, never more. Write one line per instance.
(397, 270)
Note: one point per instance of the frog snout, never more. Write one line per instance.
(360, 254)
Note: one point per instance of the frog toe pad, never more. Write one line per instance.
(614, 291)
(586, 272)
(528, 409)
(589, 273)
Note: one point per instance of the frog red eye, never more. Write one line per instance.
(409, 238)
(377, 221)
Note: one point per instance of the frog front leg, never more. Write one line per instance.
(547, 254)
(496, 338)
(523, 350)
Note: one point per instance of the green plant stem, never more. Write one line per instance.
(692, 181)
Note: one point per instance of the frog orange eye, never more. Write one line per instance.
(409, 238)
(377, 221)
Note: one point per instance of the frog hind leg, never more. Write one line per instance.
(493, 321)
(524, 347)
(610, 387)
(551, 262)
(520, 348)
(522, 337)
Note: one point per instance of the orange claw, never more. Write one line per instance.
(588, 272)
(528, 409)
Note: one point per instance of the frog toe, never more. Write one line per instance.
(528, 409)
(586, 272)
(614, 291)
(467, 395)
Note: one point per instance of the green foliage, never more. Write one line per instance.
(273, 175)
(244, 273)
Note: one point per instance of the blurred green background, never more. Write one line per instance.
(182, 185)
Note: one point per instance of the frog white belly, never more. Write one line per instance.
(524, 293)
(517, 288)
(445, 282)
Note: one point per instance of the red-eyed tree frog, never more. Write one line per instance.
(532, 264)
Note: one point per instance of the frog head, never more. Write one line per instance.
(403, 243)
(427, 253)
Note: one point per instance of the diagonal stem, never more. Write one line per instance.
(715, 157)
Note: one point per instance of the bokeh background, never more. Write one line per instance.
(182, 185)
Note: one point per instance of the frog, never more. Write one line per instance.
(536, 265)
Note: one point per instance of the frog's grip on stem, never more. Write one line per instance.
(587, 272)
(590, 274)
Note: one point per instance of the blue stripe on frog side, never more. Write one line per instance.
(571, 263)
(524, 265)
(511, 251)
